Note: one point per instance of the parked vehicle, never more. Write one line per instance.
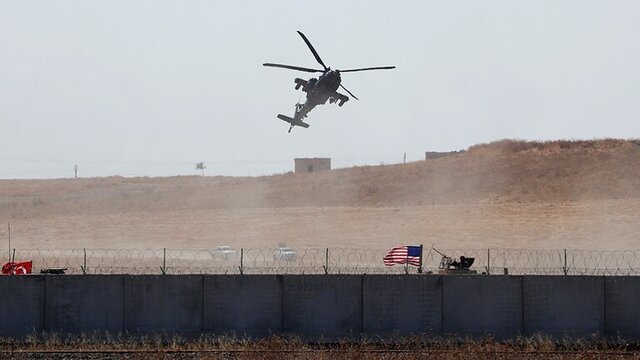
(223, 253)
(284, 253)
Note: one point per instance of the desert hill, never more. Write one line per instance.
(507, 193)
(507, 171)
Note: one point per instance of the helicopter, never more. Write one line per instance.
(319, 90)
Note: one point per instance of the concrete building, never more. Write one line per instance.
(430, 155)
(307, 165)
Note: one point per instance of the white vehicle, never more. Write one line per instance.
(284, 253)
(223, 253)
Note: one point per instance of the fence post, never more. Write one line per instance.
(564, 268)
(488, 261)
(421, 249)
(9, 229)
(164, 261)
(326, 262)
(84, 262)
(241, 268)
(406, 264)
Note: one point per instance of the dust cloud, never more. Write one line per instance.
(507, 194)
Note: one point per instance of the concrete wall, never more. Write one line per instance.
(329, 305)
(316, 305)
(492, 305)
(243, 305)
(84, 303)
(22, 305)
(564, 305)
(622, 306)
(167, 303)
(402, 304)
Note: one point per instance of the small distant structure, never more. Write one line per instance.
(307, 165)
(430, 155)
(75, 170)
(200, 166)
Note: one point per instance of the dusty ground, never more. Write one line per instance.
(502, 195)
(610, 224)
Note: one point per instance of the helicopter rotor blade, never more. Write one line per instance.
(350, 93)
(315, 53)
(290, 67)
(369, 68)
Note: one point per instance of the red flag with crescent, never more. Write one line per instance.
(17, 268)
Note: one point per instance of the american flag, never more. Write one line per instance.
(402, 254)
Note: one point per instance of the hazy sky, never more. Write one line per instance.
(149, 88)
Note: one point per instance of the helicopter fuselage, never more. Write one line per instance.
(319, 91)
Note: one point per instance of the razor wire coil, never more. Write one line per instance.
(326, 261)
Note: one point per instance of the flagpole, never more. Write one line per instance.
(406, 264)
(420, 268)
(9, 228)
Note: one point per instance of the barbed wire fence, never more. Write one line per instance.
(325, 261)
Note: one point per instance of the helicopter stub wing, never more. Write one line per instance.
(292, 121)
(339, 98)
(301, 83)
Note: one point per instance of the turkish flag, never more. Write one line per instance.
(17, 268)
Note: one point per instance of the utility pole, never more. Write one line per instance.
(9, 228)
